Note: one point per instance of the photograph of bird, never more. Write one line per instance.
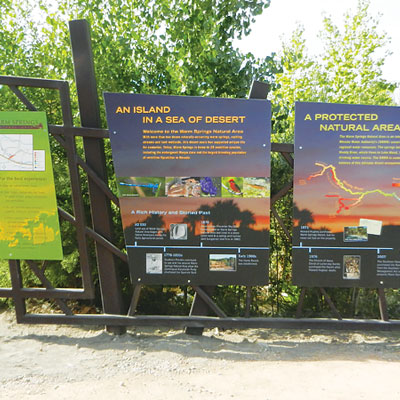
(234, 186)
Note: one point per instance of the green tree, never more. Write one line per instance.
(349, 69)
(181, 47)
(170, 47)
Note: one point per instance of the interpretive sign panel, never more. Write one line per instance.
(29, 226)
(194, 188)
(346, 196)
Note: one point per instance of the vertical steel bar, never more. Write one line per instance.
(299, 309)
(248, 301)
(259, 90)
(199, 307)
(77, 200)
(383, 305)
(16, 281)
(135, 300)
(95, 158)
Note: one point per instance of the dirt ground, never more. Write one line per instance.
(64, 362)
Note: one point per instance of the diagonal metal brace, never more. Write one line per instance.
(46, 283)
(23, 98)
(210, 303)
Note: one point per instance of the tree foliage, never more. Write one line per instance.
(176, 47)
(143, 46)
(348, 70)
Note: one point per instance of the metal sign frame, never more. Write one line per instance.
(100, 229)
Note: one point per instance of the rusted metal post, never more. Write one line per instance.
(135, 300)
(248, 301)
(199, 307)
(16, 281)
(95, 157)
(383, 305)
(299, 309)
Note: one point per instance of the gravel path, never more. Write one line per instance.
(63, 362)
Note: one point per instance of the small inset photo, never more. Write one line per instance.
(351, 267)
(355, 234)
(140, 187)
(178, 231)
(153, 263)
(231, 186)
(210, 186)
(222, 262)
(185, 186)
(256, 187)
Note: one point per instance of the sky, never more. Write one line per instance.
(279, 21)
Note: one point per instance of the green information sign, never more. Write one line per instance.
(29, 226)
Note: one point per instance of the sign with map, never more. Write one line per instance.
(29, 226)
(346, 196)
(194, 187)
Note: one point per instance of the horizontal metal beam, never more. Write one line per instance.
(79, 131)
(282, 147)
(43, 293)
(6, 292)
(32, 82)
(212, 322)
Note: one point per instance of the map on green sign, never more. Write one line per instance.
(29, 225)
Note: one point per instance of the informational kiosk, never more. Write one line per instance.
(346, 196)
(193, 178)
(29, 226)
